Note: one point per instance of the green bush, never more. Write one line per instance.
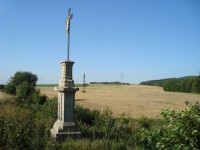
(37, 98)
(22, 76)
(23, 127)
(10, 89)
(119, 132)
(145, 122)
(28, 127)
(86, 115)
(24, 91)
(180, 132)
(2, 86)
(22, 84)
(18, 79)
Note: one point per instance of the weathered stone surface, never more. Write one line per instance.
(65, 126)
(66, 74)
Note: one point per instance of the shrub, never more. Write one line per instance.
(145, 122)
(10, 89)
(22, 84)
(181, 130)
(119, 132)
(18, 79)
(37, 98)
(86, 115)
(2, 86)
(26, 127)
(24, 91)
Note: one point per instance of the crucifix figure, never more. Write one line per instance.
(70, 16)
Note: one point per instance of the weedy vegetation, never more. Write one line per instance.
(25, 125)
(28, 127)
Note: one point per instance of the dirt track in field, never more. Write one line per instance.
(133, 100)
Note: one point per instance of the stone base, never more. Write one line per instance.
(62, 131)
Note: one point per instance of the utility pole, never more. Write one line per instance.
(84, 85)
(122, 77)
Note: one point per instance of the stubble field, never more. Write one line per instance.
(133, 100)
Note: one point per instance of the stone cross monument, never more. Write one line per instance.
(65, 126)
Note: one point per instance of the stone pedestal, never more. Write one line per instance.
(65, 126)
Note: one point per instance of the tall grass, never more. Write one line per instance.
(116, 132)
(6, 97)
(28, 127)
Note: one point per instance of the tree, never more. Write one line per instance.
(189, 84)
(37, 98)
(184, 85)
(2, 86)
(18, 79)
(24, 91)
(196, 85)
(22, 84)
(10, 89)
(178, 87)
(168, 86)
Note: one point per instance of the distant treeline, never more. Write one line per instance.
(184, 84)
(116, 83)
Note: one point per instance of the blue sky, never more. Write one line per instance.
(144, 40)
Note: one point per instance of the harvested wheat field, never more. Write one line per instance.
(133, 100)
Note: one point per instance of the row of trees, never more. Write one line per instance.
(115, 83)
(184, 84)
(160, 82)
